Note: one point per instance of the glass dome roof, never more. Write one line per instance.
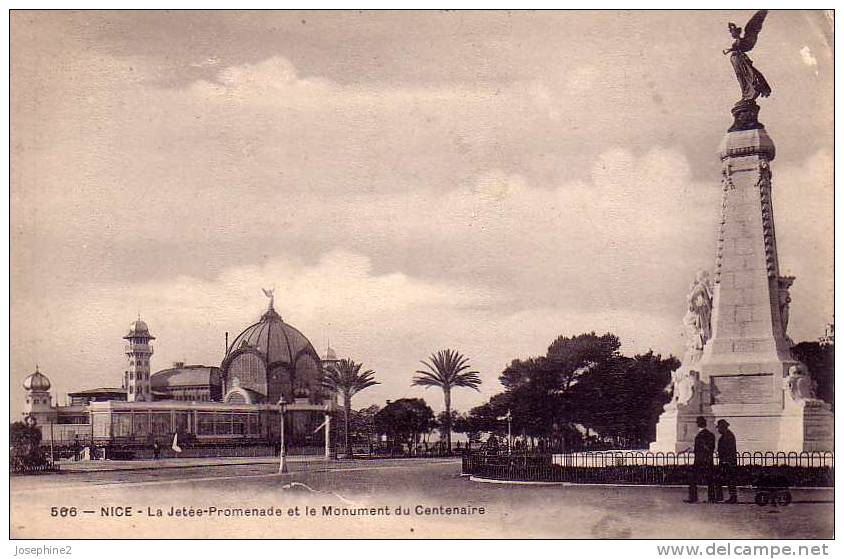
(275, 339)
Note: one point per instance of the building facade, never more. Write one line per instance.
(270, 369)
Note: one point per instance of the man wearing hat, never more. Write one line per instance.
(727, 460)
(703, 463)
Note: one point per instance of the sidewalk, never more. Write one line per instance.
(150, 464)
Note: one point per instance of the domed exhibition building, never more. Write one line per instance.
(235, 408)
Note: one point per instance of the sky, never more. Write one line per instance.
(407, 181)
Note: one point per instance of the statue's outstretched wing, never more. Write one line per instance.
(752, 29)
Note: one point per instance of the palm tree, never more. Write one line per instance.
(447, 370)
(345, 377)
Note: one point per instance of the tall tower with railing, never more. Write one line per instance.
(138, 351)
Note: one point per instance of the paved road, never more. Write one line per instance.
(439, 502)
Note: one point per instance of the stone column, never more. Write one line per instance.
(747, 326)
(746, 360)
(749, 355)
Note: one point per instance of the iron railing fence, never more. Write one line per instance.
(805, 469)
(646, 458)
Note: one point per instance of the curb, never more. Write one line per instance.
(572, 484)
(269, 460)
(173, 466)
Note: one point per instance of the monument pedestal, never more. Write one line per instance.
(677, 426)
(745, 360)
(792, 425)
(806, 425)
(675, 431)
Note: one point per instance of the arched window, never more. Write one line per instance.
(308, 380)
(250, 371)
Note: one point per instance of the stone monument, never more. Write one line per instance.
(738, 363)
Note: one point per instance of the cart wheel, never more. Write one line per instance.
(762, 498)
(784, 498)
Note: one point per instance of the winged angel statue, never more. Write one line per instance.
(751, 80)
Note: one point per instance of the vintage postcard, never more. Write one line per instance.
(422, 274)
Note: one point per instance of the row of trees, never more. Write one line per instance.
(404, 422)
(582, 386)
(582, 390)
(407, 418)
(583, 383)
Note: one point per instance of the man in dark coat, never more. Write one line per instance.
(703, 462)
(727, 460)
(76, 448)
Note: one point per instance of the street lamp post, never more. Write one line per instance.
(52, 454)
(509, 418)
(282, 456)
(327, 433)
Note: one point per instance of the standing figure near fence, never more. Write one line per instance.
(727, 461)
(702, 470)
(76, 448)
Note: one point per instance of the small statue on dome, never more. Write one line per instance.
(270, 293)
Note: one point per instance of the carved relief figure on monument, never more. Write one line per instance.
(698, 319)
(799, 384)
(785, 283)
(698, 325)
(683, 385)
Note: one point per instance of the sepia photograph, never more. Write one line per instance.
(423, 274)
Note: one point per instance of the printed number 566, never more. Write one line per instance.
(63, 511)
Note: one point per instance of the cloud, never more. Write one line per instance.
(210, 61)
(805, 221)
(273, 80)
(807, 57)
(487, 200)
(582, 79)
(339, 296)
(496, 267)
